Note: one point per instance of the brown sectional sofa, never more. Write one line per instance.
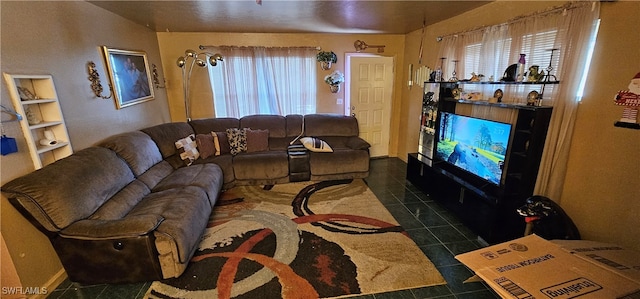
(128, 209)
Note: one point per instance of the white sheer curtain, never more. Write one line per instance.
(578, 28)
(571, 30)
(260, 80)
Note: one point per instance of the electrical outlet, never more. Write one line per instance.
(339, 101)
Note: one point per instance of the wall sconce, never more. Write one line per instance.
(361, 46)
(410, 83)
(155, 77)
(94, 78)
(186, 63)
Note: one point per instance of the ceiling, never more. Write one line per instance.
(288, 16)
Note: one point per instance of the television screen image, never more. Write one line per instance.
(476, 145)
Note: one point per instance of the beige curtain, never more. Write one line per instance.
(578, 26)
(261, 80)
(570, 29)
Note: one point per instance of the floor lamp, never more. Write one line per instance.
(190, 59)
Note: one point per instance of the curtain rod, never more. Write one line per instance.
(240, 47)
(555, 9)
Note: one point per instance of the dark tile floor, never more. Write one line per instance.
(439, 234)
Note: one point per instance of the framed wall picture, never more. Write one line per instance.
(130, 77)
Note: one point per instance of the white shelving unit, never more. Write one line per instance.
(41, 112)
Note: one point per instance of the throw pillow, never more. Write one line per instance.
(205, 145)
(316, 145)
(257, 140)
(237, 141)
(188, 149)
(221, 143)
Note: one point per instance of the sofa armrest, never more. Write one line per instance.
(112, 229)
(357, 143)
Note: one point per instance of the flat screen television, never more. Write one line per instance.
(477, 146)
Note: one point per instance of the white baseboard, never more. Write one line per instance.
(51, 285)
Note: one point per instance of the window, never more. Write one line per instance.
(536, 46)
(571, 29)
(259, 80)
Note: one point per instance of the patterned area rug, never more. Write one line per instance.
(301, 240)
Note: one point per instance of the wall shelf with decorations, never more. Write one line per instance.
(43, 124)
(469, 91)
(621, 124)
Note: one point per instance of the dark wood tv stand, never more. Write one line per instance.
(489, 210)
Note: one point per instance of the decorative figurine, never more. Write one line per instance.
(631, 100)
(498, 95)
(510, 73)
(476, 78)
(535, 75)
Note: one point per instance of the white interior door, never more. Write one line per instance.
(371, 86)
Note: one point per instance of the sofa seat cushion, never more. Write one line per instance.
(261, 165)
(207, 177)
(156, 174)
(122, 203)
(226, 164)
(340, 161)
(185, 212)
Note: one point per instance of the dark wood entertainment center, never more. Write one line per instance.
(488, 209)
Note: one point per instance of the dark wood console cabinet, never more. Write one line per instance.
(487, 209)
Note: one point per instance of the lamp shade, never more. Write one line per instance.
(180, 62)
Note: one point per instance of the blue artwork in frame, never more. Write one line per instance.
(130, 77)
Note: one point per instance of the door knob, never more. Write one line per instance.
(353, 114)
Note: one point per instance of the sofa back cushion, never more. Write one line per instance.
(318, 125)
(72, 188)
(165, 137)
(294, 125)
(136, 148)
(276, 124)
(208, 125)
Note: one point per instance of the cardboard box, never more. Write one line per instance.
(609, 256)
(532, 267)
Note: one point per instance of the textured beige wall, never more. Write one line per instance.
(58, 38)
(602, 188)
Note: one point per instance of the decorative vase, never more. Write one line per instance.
(335, 88)
(32, 118)
(521, 63)
(325, 65)
(48, 134)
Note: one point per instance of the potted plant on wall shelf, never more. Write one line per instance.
(326, 59)
(334, 80)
